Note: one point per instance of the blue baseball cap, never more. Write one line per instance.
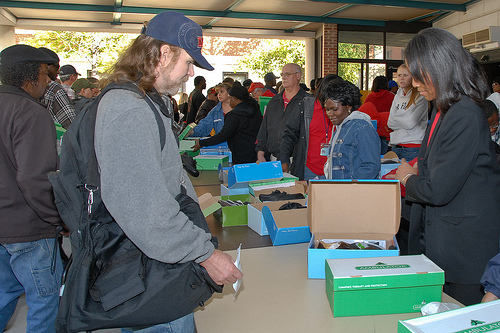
(392, 83)
(176, 29)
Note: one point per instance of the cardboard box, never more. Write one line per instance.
(241, 175)
(287, 226)
(186, 130)
(221, 151)
(389, 162)
(265, 187)
(388, 167)
(256, 221)
(263, 101)
(190, 152)
(223, 172)
(234, 215)
(477, 318)
(186, 144)
(208, 204)
(362, 209)
(222, 145)
(292, 188)
(211, 162)
(382, 285)
(224, 190)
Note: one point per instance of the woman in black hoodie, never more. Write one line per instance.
(241, 126)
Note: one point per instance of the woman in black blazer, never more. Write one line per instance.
(455, 219)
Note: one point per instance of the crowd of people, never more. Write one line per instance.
(440, 119)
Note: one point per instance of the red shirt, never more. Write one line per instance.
(320, 131)
(382, 100)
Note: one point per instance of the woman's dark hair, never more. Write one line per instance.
(496, 80)
(324, 81)
(435, 56)
(18, 74)
(489, 108)
(343, 91)
(242, 94)
(380, 83)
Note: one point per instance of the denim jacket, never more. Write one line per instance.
(354, 150)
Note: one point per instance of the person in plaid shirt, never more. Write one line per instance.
(55, 98)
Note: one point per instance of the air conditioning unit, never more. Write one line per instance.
(482, 40)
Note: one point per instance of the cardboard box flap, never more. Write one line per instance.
(384, 272)
(362, 207)
(244, 173)
(208, 204)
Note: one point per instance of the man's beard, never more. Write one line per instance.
(173, 87)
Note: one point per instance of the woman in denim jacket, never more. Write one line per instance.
(354, 150)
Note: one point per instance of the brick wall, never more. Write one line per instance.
(330, 38)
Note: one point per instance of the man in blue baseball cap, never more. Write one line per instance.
(129, 153)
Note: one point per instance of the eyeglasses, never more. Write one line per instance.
(494, 127)
(494, 84)
(285, 75)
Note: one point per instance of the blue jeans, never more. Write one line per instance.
(407, 153)
(182, 325)
(28, 268)
(308, 174)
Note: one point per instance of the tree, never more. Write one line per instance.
(274, 54)
(100, 49)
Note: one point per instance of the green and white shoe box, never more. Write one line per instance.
(483, 317)
(382, 285)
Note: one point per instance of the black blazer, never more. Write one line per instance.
(458, 194)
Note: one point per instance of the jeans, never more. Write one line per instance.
(182, 325)
(407, 153)
(27, 268)
(308, 174)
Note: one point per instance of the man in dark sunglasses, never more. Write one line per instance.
(55, 98)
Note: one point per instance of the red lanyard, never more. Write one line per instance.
(438, 114)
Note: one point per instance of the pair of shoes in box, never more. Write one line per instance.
(277, 195)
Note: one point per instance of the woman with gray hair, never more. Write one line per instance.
(456, 183)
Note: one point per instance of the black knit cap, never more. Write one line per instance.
(50, 53)
(239, 92)
(23, 53)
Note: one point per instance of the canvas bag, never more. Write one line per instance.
(110, 282)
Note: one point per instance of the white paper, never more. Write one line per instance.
(237, 263)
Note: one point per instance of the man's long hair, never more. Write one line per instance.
(138, 63)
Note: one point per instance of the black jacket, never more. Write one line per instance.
(274, 121)
(241, 126)
(195, 99)
(295, 139)
(457, 194)
(27, 155)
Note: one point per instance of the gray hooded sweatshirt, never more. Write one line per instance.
(139, 181)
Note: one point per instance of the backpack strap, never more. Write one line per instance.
(93, 177)
(159, 121)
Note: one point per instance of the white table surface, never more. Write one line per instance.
(277, 296)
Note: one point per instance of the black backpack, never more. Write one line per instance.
(109, 282)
